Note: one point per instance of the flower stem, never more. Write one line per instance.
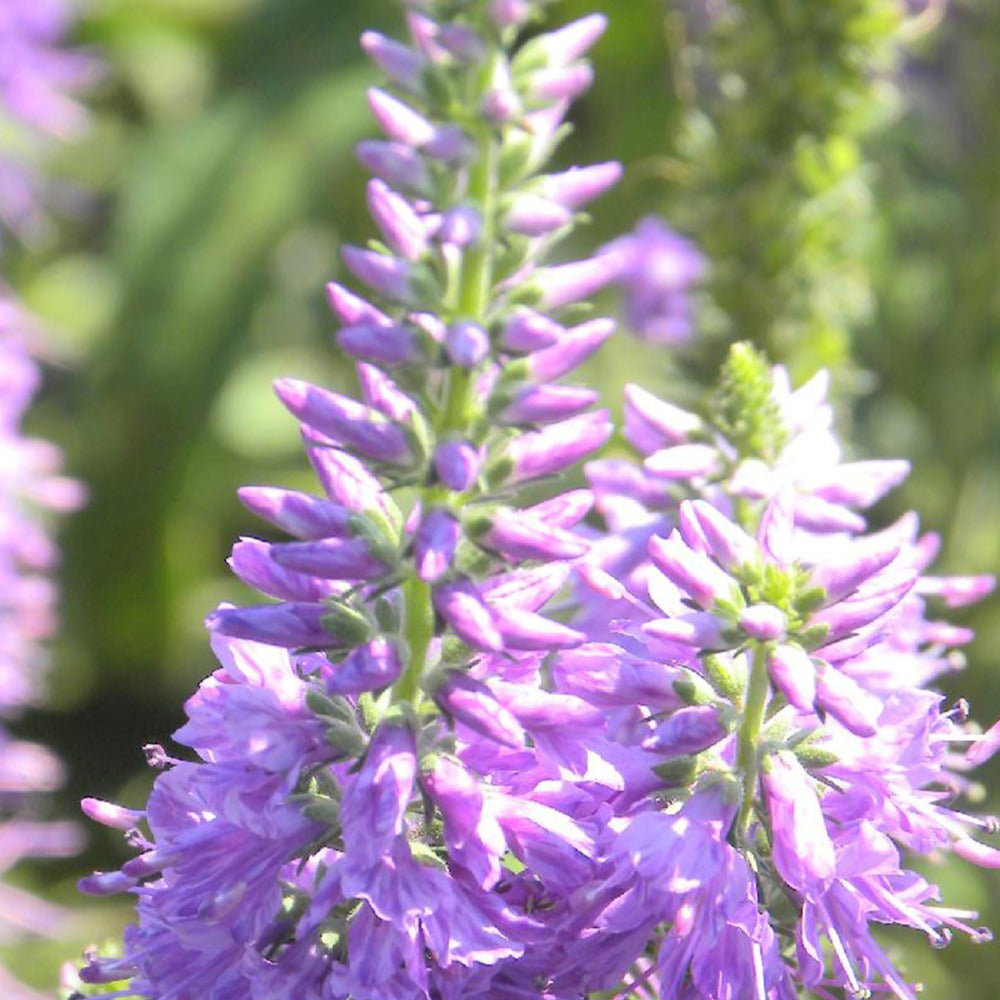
(758, 687)
(475, 285)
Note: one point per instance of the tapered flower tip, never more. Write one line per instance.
(575, 187)
(793, 675)
(853, 707)
(290, 624)
(859, 484)
(528, 331)
(561, 83)
(957, 591)
(693, 572)
(462, 607)
(109, 814)
(526, 630)
(399, 62)
(402, 228)
(651, 423)
(861, 561)
(558, 446)
(398, 120)
(572, 349)
(386, 275)
(351, 309)
(572, 41)
(702, 523)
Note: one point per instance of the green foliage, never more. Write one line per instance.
(773, 179)
(743, 407)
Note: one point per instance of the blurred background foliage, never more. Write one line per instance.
(839, 161)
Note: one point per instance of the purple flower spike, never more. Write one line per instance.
(457, 464)
(803, 852)
(650, 423)
(370, 667)
(461, 227)
(109, 814)
(435, 543)
(843, 575)
(461, 606)
(551, 450)
(696, 629)
(510, 13)
(852, 706)
(560, 83)
(656, 270)
(346, 420)
(403, 229)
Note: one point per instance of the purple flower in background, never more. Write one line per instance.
(36, 77)
(657, 270)
(31, 490)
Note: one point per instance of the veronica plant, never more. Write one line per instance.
(807, 753)
(381, 804)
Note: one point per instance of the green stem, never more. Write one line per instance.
(758, 687)
(475, 285)
(418, 628)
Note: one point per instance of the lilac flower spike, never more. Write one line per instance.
(796, 731)
(415, 810)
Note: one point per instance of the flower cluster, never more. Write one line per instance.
(808, 752)
(385, 802)
(36, 76)
(657, 270)
(30, 486)
(471, 748)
